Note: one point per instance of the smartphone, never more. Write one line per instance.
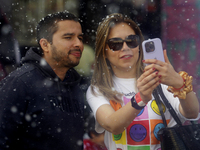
(152, 49)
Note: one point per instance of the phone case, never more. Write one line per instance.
(152, 49)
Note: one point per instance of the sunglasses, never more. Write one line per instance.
(116, 44)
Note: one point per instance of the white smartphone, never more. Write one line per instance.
(152, 49)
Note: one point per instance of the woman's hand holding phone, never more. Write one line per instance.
(166, 72)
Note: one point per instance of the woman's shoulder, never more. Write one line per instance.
(92, 91)
(95, 100)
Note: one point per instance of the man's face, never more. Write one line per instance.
(67, 44)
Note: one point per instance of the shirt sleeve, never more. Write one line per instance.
(95, 101)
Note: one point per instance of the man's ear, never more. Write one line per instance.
(44, 45)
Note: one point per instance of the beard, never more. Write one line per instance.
(63, 58)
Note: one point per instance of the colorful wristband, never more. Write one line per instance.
(137, 102)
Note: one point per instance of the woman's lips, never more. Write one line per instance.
(126, 57)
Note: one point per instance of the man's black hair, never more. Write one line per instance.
(48, 25)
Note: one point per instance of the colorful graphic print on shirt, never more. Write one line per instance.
(142, 133)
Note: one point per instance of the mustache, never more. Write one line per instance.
(75, 50)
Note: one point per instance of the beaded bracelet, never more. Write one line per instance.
(186, 88)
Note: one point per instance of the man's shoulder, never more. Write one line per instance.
(23, 70)
(23, 73)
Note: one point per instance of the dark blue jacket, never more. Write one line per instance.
(38, 110)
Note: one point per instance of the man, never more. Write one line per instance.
(41, 104)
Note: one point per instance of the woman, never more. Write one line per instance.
(120, 94)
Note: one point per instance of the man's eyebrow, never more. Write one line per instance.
(71, 34)
(81, 35)
(66, 34)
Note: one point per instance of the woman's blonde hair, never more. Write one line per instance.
(102, 76)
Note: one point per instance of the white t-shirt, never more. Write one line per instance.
(142, 132)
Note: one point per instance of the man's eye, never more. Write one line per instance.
(67, 37)
(81, 39)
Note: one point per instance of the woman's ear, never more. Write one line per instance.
(44, 45)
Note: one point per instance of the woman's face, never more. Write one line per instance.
(123, 61)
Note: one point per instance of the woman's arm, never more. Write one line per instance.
(189, 107)
(116, 121)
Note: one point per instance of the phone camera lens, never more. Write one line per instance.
(150, 47)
